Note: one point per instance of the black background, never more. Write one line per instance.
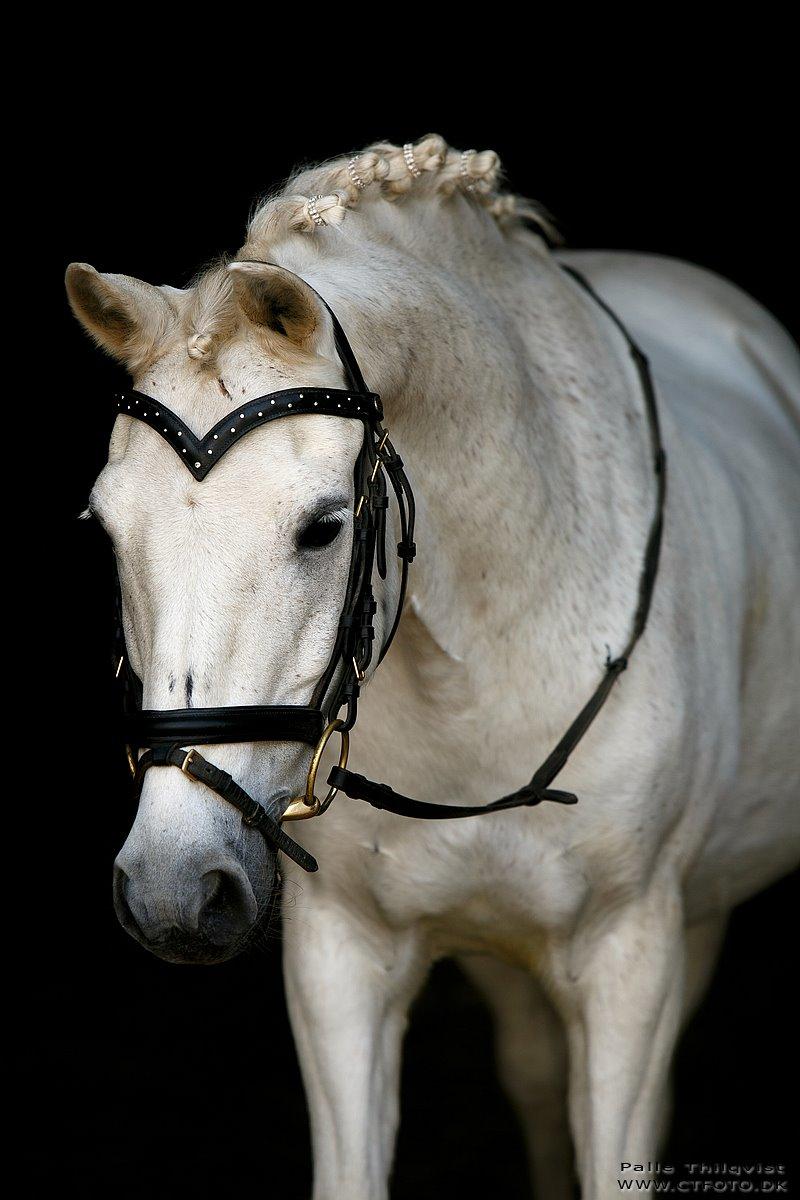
(148, 1082)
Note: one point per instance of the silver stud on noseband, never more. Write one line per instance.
(469, 182)
(411, 162)
(355, 178)
(314, 212)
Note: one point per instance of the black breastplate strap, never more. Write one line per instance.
(168, 737)
(379, 795)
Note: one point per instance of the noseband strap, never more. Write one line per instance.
(254, 815)
(213, 726)
(158, 738)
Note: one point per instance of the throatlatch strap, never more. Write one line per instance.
(379, 795)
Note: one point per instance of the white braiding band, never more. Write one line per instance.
(411, 162)
(355, 178)
(314, 212)
(466, 157)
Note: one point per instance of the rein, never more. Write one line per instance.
(168, 737)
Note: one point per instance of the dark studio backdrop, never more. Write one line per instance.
(149, 1081)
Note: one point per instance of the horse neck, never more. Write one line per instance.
(518, 412)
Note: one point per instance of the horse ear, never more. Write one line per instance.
(275, 299)
(125, 316)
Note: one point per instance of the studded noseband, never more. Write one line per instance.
(157, 738)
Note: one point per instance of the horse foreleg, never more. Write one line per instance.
(349, 982)
(653, 1105)
(532, 1063)
(620, 986)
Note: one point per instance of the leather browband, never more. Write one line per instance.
(201, 455)
(167, 733)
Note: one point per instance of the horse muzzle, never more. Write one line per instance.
(199, 909)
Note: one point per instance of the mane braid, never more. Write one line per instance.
(321, 196)
(318, 198)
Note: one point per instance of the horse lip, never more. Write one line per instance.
(280, 802)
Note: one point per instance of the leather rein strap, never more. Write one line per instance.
(167, 733)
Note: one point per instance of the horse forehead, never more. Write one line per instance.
(277, 470)
(255, 496)
(241, 374)
(242, 370)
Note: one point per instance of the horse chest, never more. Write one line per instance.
(505, 882)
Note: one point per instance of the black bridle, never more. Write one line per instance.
(169, 737)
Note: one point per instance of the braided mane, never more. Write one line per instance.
(321, 196)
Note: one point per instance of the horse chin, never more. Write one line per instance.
(188, 950)
(192, 948)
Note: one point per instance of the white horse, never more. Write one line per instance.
(511, 395)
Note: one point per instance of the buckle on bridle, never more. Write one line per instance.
(300, 808)
(185, 764)
(131, 760)
(380, 461)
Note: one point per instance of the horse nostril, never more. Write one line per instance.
(228, 908)
(190, 917)
(122, 906)
(220, 893)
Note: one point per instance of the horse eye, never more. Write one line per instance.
(319, 533)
